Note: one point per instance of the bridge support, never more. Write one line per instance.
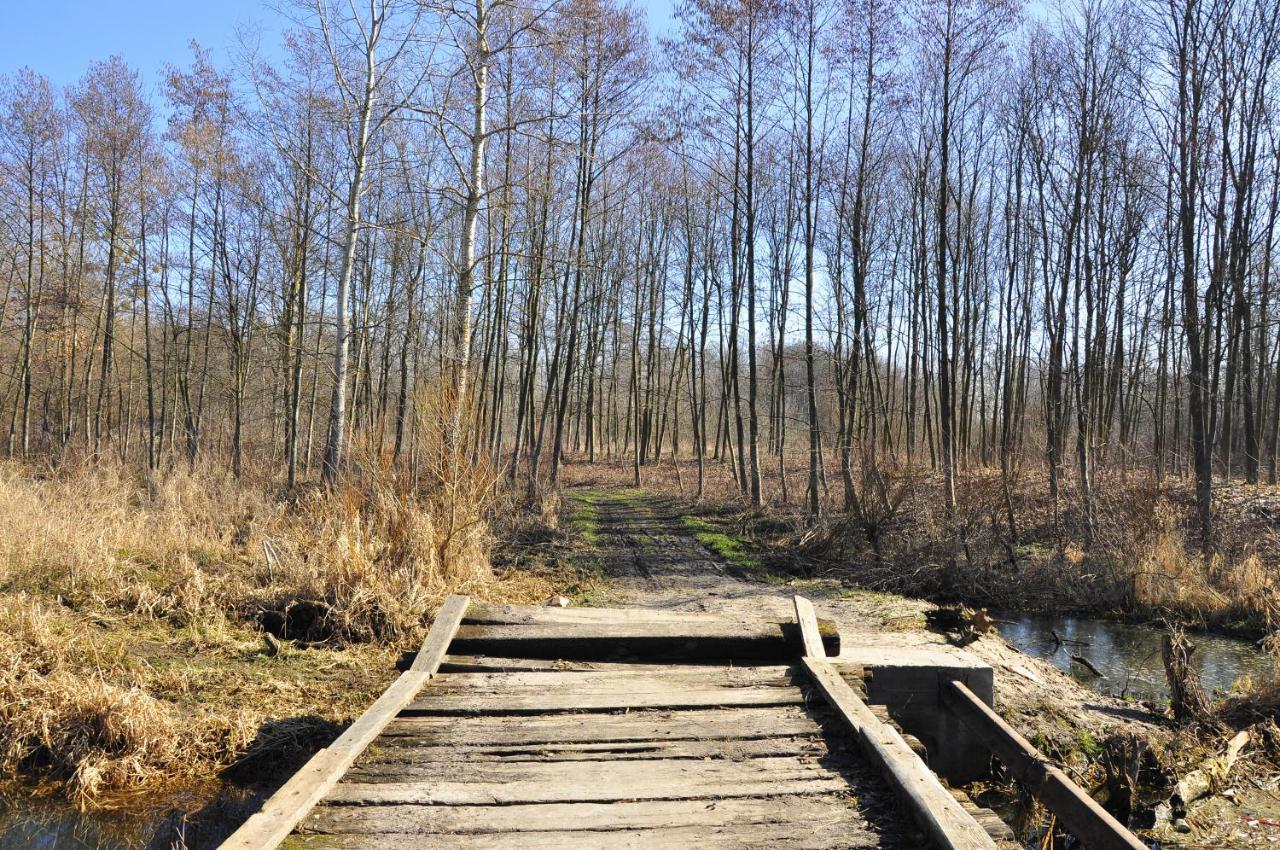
(909, 682)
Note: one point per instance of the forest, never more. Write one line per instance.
(960, 235)
(977, 298)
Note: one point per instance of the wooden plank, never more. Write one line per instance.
(516, 682)
(846, 835)
(601, 764)
(513, 615)
(688, 725)
(641, 814)
(809, 634)
(442, 632)
(282, 811)
(619, 700)
(572, 789)
(722, 748)
(607, 777)
(484, 686)
(929, 802)
(1076, 810)
(500, 664)
(695, 639)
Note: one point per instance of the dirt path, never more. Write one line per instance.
(651, 559)
(650, 553)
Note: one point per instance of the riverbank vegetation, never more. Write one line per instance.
(158, 628)
(1002, 548)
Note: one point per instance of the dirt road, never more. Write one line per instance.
(652, 552)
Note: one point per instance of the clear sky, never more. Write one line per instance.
(59, 38)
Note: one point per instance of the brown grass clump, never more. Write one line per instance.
(131, 610)
(1216, 587)
(69, 714)
(1261, 694)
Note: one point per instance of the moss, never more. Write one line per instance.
(1087, 744)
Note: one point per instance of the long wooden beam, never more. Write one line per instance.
(1076, 810)
(809, 633)
(291, 803)
(932, 805)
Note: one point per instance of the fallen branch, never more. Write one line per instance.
(1211, 776)
(1061, 641)
(1088, 665)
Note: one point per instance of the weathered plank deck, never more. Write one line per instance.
(548, 727)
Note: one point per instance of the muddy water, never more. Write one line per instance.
(1128, 655)
(189, 822)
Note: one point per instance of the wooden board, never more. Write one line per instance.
(810, 635)
(565, 788)
(647, 814)
(595, 701)
(604, 774)
(707, 748)
(626, 675)
(695, 638)
(1075, 809)
(664, 725)
(753, 837)
(456, 663)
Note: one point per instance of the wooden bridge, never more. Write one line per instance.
(520, 727)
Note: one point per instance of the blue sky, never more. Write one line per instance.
(59, 38)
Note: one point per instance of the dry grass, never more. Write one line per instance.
(131, 609)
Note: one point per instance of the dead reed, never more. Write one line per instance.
(132, 607)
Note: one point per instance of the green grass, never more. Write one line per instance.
(733, 549)
(624, 496)
(1088, 744)
(585, 520)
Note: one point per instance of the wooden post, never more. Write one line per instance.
(809, 633)
(1076, 810)
(291, 803)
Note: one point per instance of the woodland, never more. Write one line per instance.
(952, 235)
(967, 299)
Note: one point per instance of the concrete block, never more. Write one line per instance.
(908, 681)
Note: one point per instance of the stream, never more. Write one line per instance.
(1128, 654)
(188, 822)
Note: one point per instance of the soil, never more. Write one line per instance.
(649, 550)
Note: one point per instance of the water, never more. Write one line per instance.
(1129, 655)
(189, 822)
